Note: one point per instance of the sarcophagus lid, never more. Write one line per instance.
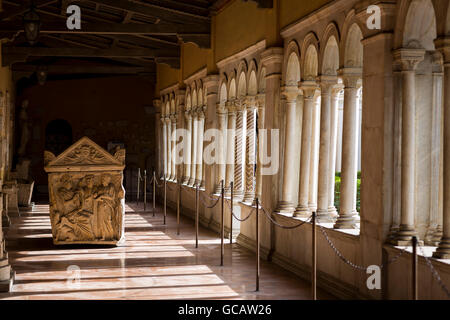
(86, 194)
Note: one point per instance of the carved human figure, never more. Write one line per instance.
(74, 216)
(105, 209)
(23, 125)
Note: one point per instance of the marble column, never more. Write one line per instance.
(187, 147)
(239, 152)
(335, 98)
(194, 143)
(443, 250)
(409, 59)
(326, 85)
(259, 143)
(200, 130)
(250, 151)
(309, 89)
(231, 133)
(169, 147)
(164, 130)
(314, 167)
(173, 144)
(286, 203)
(347, 210)
(221, 148)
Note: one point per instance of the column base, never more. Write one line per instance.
(202, 185)
(218, 189)
(249, 198)
(322, 216)
(302, 212)
(228, 192)
(346, 221)
(191, 182)
(285, 207)
(185, 181)
(198, 183)
(443, 251)
(238, 195)
(312, 207)
(6, 276)
(404, 236)
(332, 211)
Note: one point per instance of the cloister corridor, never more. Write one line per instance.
(153, 263)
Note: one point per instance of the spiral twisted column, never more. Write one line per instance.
(231, 133)
(187, 147)
(239, 154)
(173, 119)
(200, 131)
(221, 147)
(250, 151)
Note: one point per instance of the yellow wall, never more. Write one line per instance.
(236, 27)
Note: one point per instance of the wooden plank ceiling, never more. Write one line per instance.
(116, 36)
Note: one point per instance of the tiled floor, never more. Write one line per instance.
(153, 263)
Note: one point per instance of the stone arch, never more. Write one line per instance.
(292, 70)
(188, 101)
(420, 25)
(194, 96)
(223, 96)
(232, 88)
(172, 104)
(416, 25)
(310, 49)
(353, 48)
(262, 80)
(330, 54)
(200, 96)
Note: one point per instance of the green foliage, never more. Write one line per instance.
(337, 191)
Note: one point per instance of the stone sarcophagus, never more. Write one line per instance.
(86, 193)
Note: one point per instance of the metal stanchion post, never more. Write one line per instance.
(314, 258)
(196, 215)
(231, 214)
(222, 225)
(178, 206)
(145, 190)
(165, 199)
(138, 186)
(415, 290)
(258, 270)
(154, 192)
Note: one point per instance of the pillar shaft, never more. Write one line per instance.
(192, 178)
(348, 192)
(231, 132)
(309, 91)
(239, 152)
(443, 250)
(221, 148)
(200, 130)
(173, 144)
(250, 152)
(164, 130)
(187, 148)
(314, 165)
(326, 86)
(409, 60)
(286, 205)
(169, 147)
(333, 151)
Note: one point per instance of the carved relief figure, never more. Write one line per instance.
(105, 209)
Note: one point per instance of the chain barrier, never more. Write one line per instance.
(434, 272)
(353, 265)
(202, 196)
(282, 226)
(239, 219)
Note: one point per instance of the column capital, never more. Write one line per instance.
(337, 89)
(188, 115)
(327, 83)
(352, 77)
(211, 83)
(173, 118)
(409, 58)
(261, 100)
(443, 46)
(231, 107)
(167, 119)
(221, 109)
(250, 102)
(290, 93)
(272, 59)
(309, 88)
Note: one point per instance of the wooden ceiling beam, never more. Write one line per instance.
(20, 54)
(9, 14)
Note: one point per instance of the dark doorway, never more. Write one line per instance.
(58, 136)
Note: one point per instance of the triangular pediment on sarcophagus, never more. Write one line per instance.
(84, 155)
